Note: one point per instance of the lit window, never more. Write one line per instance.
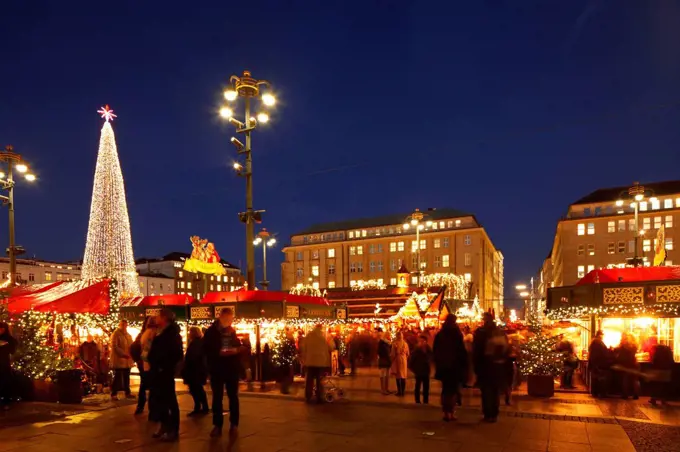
(646, 245)
(380, 281)
(363, 232)
(668, 263)
(393, 247)
(643, 205)
(435, 226)
(446, 242)
(467, 276)
(414, 262)
(677, 202)
(580, 250)
(442, 224)
(468, 259)
(656, 205)
(400, 246)
(182, 284)
(189, 285)
(591, 249)
(331, 284)
(219, 287)
(669, 221)
(414, 246)
(611, 226)
(611, 248)
(351, 234)
(414, 280)
(371, 267)
(315, 270)
(457, 223)
(581, 271)
(669, 243)
(437, 261)
(657, 222)
(581, 229)
(591, 228)
(225, 278)
(352, 283)
(622, 247)
(423, 244)
(445, 260)
(331, 252)
(180, 274)
(591, 268)
(360, 250)
(352, 250)
(631, 225)
(449, 224)
(646, 223)
(622, 225)
(141, 283)
(467, 240)
(667, 203)
(331, 269)
(315, 285)
(437, 243)
(393, 281)
(212, 287)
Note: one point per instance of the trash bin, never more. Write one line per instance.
(69, 386)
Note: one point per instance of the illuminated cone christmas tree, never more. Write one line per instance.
(108, 251)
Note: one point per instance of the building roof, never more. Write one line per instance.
(385, 220)
(153, 274)
(178, 256)
(613, 193)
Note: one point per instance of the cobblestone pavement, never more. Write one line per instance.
(279, 425)
(650, 437)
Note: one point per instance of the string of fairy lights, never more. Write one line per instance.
(574, 312)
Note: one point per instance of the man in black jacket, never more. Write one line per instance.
(222, 350)
(489, 355)
(166, 352)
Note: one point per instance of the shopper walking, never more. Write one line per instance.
(399, 356)
(165, 354)
(661, 376)
(139, 351)
(316, 357)
(222, 350)
(450, 360)
(627, 361)
(195, 371)
(599, 363)
(8, 345)
(121, 361)
(421, 364)
(490, 353)
(384, 362)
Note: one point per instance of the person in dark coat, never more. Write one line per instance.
(450, 359)
(598, 365)
(223, 350)
(165, 354)
(8, 345)
(420, 364)
(490, 350)
(195, 371)
(384, 362)
(662, 366)
(626, 359)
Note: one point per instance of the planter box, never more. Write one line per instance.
(44, 391)
(540, 386)
(70, 386)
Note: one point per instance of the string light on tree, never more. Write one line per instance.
(457, 288)
(108, 251)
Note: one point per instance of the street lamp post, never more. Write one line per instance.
(249, 88)
(266, 240)
(527, 293)
(13, 161)
(415, 220)
(636, 194)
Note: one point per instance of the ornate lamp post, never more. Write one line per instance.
(265, 239)
(12, 161)
(636, 195)
(249, 88)
(416, 220)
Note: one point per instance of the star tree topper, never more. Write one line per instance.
(107, 113)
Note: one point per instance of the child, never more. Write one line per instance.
(420, 366)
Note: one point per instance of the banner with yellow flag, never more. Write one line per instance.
(660, 247)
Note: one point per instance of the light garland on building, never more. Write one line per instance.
(108, 250)
(471, 312)
(371, 284)
(457, 288)
(575, 312)
(306, 289)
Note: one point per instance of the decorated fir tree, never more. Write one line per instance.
(36, 357)
(283, 349)
(539, 355)
(108, 251)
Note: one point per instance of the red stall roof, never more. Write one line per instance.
(155, 300)
(245, 296)
(64, 297)
(631, 274)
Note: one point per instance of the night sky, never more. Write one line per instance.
(509, 112)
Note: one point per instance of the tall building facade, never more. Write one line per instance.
(334, 255)
(36, 271)
(597, 232)
(183, 282)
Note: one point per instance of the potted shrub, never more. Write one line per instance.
(540, 363)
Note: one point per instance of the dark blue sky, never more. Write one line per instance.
(509, 112)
